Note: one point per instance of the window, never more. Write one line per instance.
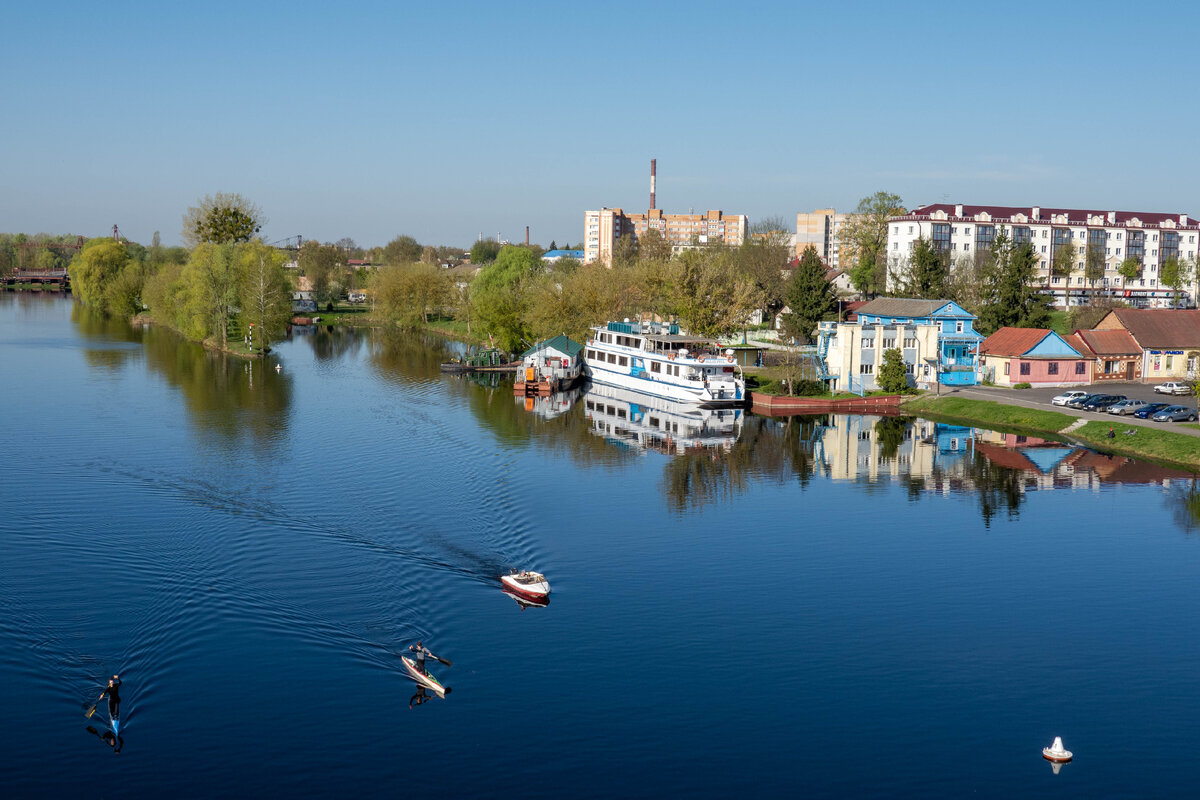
(867, 344)
(1170, 246)
(866, 369)
(888, 344)
(941, 237)
(1052, 368)
(1006, 366)
(1043, 248)
(624, 362)
(910, 341)
(1169, 359)
(591, 354)
(966, 246)
(1080, 368)
(612, 358)
(1020, 234)
(958, 327)
(655, 366)
(895, 230)
(984, 236)
(1024, 367)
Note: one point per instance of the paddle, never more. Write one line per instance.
(88, 714)
(445, 661)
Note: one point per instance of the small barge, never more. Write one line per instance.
(554, 365)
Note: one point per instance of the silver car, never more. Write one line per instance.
(1124, 407)
(1173, 387)
(1175, 414)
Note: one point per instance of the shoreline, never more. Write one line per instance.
(1164, 447)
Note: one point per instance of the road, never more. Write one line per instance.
(1040, 398)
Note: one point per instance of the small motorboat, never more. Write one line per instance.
(424, 678)
(526, 600)
(1056, 752)
(527, 583)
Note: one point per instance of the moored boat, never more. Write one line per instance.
(554, 365)
(527, 583)
(657, 359)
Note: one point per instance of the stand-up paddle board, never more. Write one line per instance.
(423, 678)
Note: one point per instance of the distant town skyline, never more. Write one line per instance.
(444, 121)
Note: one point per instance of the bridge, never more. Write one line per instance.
(44, 277)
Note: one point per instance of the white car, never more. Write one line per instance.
(1066, 397)
(1173, 387)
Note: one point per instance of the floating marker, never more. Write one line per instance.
(1056, 752)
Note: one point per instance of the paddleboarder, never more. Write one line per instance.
(113, 690)
(421, 651)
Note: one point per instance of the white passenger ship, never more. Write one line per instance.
(645, 423)
(654, 358)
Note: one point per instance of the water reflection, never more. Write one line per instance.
(643, 422)
(227, 396)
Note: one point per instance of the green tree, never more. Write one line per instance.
(484, 251)
(653, 246)
(406, 293)
(1087, 317)
(1009, 295)
(95, 267)
(764, 257)
(553, 245)
(1130, 269)
(862, 240)
(212, 278)
(265, 293)
(712, 297)
(810, 298)
(625, 251)
(222, 219)
(325, 266)
(402, 250)
(1093, 266)
(498, 295)
(1062, 263)
(892, 377)
(928, 271)
(1174, 273)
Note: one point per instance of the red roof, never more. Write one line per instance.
(1116, 342)
(1076, 341)
(1013, 341)
(1161, 328)
(1075, 216)
(851, 309)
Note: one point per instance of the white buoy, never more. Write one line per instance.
(279, 368)
(1056, 752)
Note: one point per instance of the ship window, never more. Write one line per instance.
(655, 366)
(620, 413)
(624, 362)
(612, 358)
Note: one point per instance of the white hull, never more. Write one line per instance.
(655, 423)
(644, 359)
(537, 588)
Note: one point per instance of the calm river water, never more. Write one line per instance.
(825, 607)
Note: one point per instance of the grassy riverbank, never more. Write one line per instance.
(1148, 443)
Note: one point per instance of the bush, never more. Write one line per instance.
(1021, 386)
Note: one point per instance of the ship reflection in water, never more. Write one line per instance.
(646, 423)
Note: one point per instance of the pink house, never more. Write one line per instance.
(1037, 356)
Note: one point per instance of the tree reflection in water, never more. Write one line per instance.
(224, 395)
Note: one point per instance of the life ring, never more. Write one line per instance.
(700, 359)
(729, 359)
(671, 357)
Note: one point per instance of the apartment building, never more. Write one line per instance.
(820, 229)
(1151, 238)
(602, 229)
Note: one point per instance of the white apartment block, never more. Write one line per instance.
(820, 229)
(601, 230)
(963, 230)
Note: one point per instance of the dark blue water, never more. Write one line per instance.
(828, 607)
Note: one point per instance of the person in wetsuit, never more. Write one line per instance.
(421, 651)
(113, 690)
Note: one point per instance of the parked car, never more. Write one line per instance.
(357, 297)
(1102, 402)
(1175, 414)
(1173, 387)
(1149, 410)
(1124, 407)
(1079, 401)
(1066, 397)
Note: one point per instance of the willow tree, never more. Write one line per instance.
(265, 293)
(94, 269)
(712, 296)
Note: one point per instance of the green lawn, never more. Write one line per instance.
(1165, 445)
(1058, 322)
(988, 412)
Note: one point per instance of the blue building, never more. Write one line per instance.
(958, 343)
(936, 338)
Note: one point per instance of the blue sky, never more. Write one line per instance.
(443, 120)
